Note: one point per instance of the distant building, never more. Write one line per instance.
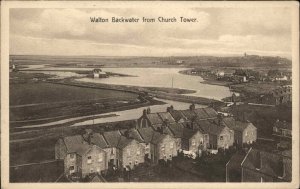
(282, 129)
(98, 73)
(278, 96)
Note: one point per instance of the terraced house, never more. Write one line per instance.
(154, 120)
(80, 158)
(244, 132)
(157, 136)
(220, 136)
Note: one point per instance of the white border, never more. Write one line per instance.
(156, 4)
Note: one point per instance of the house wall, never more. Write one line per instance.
(97, 162)
(197, 142)
(75, 161)
(249, 135)
(238, 137)
(60, 149)
(147, 149)
(133, 154)
(165, 149)
(112, 154)
(228, 138)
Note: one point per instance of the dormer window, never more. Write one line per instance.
(221, 137)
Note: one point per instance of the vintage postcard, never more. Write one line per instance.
(149, 94)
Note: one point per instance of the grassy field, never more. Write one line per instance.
(32, 100)
(40, 92)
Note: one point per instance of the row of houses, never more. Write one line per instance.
(156, 136)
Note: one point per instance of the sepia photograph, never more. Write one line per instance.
(150, 93)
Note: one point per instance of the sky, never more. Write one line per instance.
(218, 31)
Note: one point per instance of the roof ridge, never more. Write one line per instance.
(168, 126)
(140, 135)
(105, 140)
(160, 116)
(204, 109)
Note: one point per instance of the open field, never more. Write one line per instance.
(41, 93)
(38, 100)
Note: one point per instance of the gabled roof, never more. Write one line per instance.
(210, 127)
(211, 112)
(98, 139)
(283, 125)
(177, 115)
(112, 138)
(201, 114)
(123, 142)
(133, 133)
(76, 144)
(176, 130)
(146, 134)
(166, 116)
(236, 160)
(154, 118)
(97, 178)
(157, 137)
(190, 115)
(236, 125)
(268, 163)
(188, 133)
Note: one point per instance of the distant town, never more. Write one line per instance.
(111, 119)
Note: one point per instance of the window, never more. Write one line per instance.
(112, 151)
(171, 145)
(72, 169)
(170, 156)
(193, 142)
(100, 158)
(221, 137)
(206, 137)
(128, 152)
(162, 147)
(130, 163)
(91, 170)
(72, 157)
(89, 159)
(136, 162)
(201, 141)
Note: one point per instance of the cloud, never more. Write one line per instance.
(217, 31)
